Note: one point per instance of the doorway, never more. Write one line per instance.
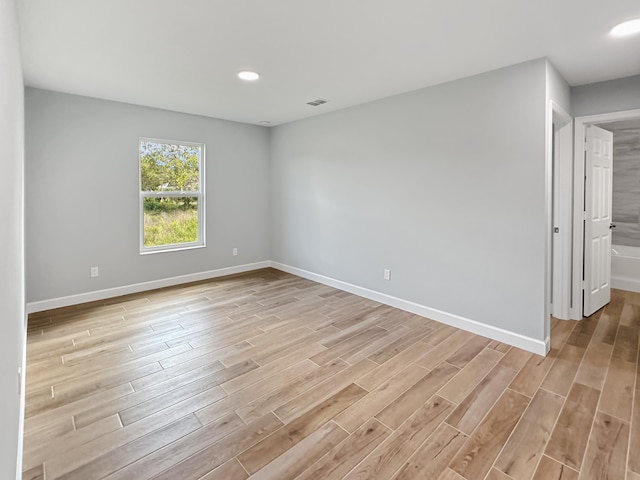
(581, 174)
(560, 222)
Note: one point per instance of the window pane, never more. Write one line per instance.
(169, 167)
(170, 220)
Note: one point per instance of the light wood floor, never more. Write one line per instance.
(275, 377)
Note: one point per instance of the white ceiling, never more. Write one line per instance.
(183, 55)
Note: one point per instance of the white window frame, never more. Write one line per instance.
(200, 195)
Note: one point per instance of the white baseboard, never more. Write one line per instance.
(526, 343)
(140, 287)
(625, 283)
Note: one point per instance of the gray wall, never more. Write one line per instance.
(445, 186)
(12, 297)
(605, 97)
(82, 193)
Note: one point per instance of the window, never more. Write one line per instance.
(171, 195)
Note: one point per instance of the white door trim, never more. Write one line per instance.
(580, 125)
(560, 131)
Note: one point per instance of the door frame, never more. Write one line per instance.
(559, 181)
(580, 128)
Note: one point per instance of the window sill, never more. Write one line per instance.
(176, 248)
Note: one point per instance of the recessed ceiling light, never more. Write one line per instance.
(248, 75)
(629, 27)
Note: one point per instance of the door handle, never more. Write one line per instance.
(612, 225)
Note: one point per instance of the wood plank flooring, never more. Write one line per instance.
(266, 375)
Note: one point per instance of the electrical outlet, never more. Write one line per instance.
(94, 272)
(387, 274)
(235, 252)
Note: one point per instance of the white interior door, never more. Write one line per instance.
(597, 225)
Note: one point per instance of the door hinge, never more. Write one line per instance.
(584, 284)
(586, 146)
(584, 215)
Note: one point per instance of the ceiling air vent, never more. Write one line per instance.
(317, 102)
